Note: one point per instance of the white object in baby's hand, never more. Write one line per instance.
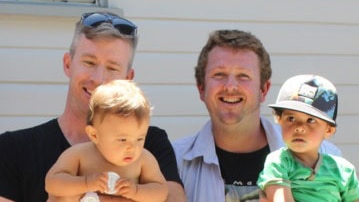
(90, 197)
(111, 182)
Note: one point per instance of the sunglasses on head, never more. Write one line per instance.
(124, 26)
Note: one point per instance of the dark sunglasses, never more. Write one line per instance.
(124, 26)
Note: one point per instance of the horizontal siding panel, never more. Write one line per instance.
(176, 127)
(162, 36)
(165, 68)
(45, 66)
(245, 10)
(179, 68)
(341, 70)
(280, 38)
(182, 105)
(62, 8)
(19, 122)
(348, 99)
(24, 65)
(347, 130)
(179, 127)
(34, 99)
(36, 32)
(300, 38)
(168, 100)
(175, 100)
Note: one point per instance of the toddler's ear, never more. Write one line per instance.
(91, 133)
(276, 116)
(330, 131)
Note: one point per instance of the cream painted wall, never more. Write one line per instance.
(317, 37)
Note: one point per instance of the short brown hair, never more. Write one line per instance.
(237, 40)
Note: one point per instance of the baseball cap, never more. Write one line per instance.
(310, 94)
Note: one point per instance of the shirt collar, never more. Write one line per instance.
(203, 146)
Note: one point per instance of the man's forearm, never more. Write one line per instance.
(175, 192)
(109, 198)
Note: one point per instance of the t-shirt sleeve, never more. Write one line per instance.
(158, 144)
(275, 171)
(351, 193)
(9, 180)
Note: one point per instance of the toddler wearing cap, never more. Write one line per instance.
(306, 110)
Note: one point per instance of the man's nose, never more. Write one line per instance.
(100, 75)
(231, 84)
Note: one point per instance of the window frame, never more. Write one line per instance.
(61, 9)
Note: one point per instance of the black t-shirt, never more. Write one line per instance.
(26, 156)
(240, 173)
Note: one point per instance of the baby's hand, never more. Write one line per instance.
(97, 182)
(112, 179)
(126, 188)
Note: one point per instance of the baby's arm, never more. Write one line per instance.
(62, 180)
(278, 193)
(152, 185)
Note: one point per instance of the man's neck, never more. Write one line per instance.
(73, 128)
(246, 136)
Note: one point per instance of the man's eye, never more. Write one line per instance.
(89, 63)
(243, 77)
(140, 139)
(219, 75)
(122, 140)
(113, 69)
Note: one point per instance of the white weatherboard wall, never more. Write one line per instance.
(319, 37)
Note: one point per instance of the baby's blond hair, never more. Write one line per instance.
(120, 97)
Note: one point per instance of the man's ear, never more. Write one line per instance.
(66, 63)
(91, 133)
(265, 89)
(201, 92)
(130, 74)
